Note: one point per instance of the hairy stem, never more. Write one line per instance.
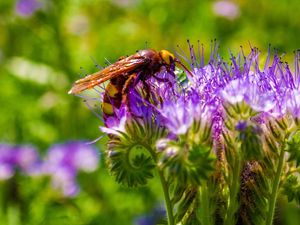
(272, 201)
(168, 202)
(165, 188)
(234, 190)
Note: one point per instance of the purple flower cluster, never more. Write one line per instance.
(270, 89)
(27, 7)
(65, 160)
(156, 216)
(62, 163)
(12, 158)
(210, 120)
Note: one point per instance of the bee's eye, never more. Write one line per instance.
(166, 56)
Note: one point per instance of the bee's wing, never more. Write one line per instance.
(123, 66)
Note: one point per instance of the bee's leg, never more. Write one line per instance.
(167, 81)
(163, 80)
(128, 84)
(171, 72)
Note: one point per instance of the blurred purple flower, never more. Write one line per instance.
(226, 9)
(145, 220)
(154, 217)
(22, 157)
(63, 162)
(27, 7)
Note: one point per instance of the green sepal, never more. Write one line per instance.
(291, 188)
(272, 144)
(177, 191)
(251, 144)
(188, 164)
(293, 147)
(186, 207)
(275, 131)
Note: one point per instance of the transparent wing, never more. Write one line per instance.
(124, 66)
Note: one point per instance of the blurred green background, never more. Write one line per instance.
(42, 53)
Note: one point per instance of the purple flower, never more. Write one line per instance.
(145, 220)
(226, 9)
(270, 91)
(293, 103)
(234, 91)
(243, 90)
(27, 7)
(241, 126)
(152, 218)
(115, 124)
(63, 162)
(6, 171)
(22, 157)
(178, 115)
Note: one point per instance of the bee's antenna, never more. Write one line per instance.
(146, 44)
(184, 67)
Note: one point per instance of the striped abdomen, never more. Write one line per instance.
(113, 96)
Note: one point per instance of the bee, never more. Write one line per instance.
(126, 73)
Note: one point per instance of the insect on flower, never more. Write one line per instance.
(126, 73)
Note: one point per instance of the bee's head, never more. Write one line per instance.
(169, 60)
(167, 57)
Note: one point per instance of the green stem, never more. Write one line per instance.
(272, 202)
(168, 203)
(234, 190)
(165, 187)
(204, 211)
